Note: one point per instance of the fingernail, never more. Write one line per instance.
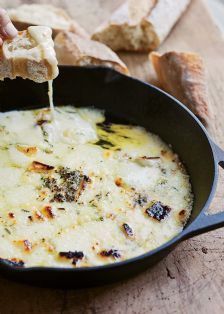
(10, 30)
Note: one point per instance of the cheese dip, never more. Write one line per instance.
(78, 191)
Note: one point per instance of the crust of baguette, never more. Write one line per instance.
(72, 49)
(143, 31)
(56, 18)
(25, 57)
(182, 74)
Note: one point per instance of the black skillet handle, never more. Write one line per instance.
(205, 222)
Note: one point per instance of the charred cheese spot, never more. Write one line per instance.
(158, 211)
(74, 256)
(113, 253)
(128, 230)
(13, 262)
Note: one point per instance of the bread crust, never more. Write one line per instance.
(182, 74)
(58, 19)
(143, 31)
(72, 49)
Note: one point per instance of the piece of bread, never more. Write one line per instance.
(47, 15)
(29, 55)
(140, 25)
(182, 74)
(72, 49)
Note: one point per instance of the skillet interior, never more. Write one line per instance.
(126, 100)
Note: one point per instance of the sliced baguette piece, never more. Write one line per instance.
(47, 15)
(140, 25)
(182, 74)
(30, 55)
(72, 49)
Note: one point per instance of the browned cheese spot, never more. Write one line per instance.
(48, 212)
(28, 150)
(28, 245)
(40, 167)
(118, 182)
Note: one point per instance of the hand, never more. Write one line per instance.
(7, 29)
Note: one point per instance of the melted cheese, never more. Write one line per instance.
(42, 36)
(85, 186)
(50, 96)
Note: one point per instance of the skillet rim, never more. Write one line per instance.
(4, 265)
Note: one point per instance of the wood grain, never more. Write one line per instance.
(191, 278)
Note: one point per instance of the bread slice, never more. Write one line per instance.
(72, 49)
(47, 15)
(29, 55)
(182, 74)
(140, 25)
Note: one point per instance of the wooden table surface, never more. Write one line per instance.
(217, 9)
(191, 278)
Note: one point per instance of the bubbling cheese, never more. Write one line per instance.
(85, 192)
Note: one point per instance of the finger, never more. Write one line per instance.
(10, 30)
(7, 29)
(1, 41)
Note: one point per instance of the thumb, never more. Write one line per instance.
(7, 29)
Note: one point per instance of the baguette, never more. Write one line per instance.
(182, 74)
(140, 25)
(72, 49)
(29, 55)
(43, 14)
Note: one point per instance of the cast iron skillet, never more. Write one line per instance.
(125, 99)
